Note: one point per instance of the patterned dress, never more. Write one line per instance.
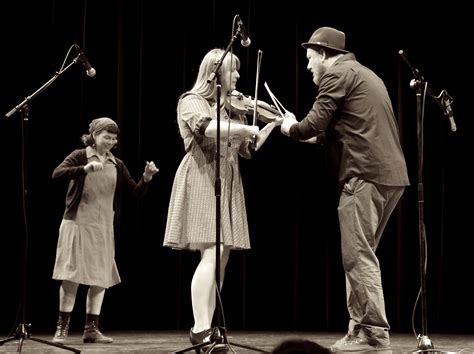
(192, 209)
(86, 249)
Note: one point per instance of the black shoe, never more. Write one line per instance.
(211, 337)
(206, 336)
(95, 336)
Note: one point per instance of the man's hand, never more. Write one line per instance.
(288, 121)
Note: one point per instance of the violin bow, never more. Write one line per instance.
(259, 63)
(275, 100)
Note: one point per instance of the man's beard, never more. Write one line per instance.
(320, 70)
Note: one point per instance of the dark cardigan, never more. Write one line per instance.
(72, 170)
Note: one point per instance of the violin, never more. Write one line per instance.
(242, 104)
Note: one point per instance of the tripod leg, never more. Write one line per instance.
(23, 332)
(59, 345)
(6, 340)
(197, 348)
(20, 344)
(222, 344)
(248, 347)
(20, 333)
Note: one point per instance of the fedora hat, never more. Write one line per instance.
(327, 37)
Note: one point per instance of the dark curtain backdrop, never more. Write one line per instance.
(146, 53)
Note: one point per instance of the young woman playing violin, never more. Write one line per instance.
(192, 208)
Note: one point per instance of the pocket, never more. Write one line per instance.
(350, 185)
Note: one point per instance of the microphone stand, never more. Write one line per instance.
(444, 100)
(22, 331)
(219, 308)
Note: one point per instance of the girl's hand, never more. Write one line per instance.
(93, 166)
(150, 170)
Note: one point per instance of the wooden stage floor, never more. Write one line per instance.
(169, 342)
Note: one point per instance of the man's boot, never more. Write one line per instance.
(62, 327)
(92, 333)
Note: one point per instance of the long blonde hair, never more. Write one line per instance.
(208, 64)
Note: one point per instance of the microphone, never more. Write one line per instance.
(446, 101)
(90, 71)
(245, 41)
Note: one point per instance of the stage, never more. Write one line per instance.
(261, 341)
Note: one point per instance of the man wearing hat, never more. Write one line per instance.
(353, 116)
